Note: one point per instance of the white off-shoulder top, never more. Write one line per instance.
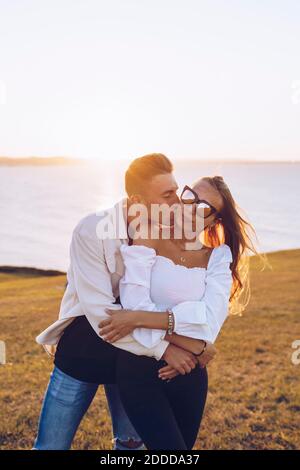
(198, 297)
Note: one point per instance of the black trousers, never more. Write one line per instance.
(166, 415)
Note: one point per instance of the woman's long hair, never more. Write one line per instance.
(231, 228)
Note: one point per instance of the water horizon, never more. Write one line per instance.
(40, 205)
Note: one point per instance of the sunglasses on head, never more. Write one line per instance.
(188, 196)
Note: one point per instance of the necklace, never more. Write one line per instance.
(182, 258)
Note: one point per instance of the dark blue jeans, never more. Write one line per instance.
(66, 402)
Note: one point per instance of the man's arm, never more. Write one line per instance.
(93, 286)
(94, 290)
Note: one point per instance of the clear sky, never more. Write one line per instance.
(121, 78)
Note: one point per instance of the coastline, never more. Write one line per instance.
(69, 161)
(32, 270)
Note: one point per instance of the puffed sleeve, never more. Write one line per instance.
(203, 319)
(135, 289)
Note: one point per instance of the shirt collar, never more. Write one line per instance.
(113, 222)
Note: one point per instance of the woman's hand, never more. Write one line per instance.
(167, 373)
(121, 323)
(208, 355)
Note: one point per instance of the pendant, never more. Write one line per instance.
(182, 259)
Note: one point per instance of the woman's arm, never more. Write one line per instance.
(151, 320)
(125, 321)
(201, 320)
(142, 320)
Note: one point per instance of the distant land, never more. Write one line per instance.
(68, 161)
(20, 270)
(40, 161)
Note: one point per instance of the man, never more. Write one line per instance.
(95, 269)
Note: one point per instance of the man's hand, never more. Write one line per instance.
(120, 323)
(179, 359)
(208, 355)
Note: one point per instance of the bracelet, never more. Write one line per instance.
(170, 321)
(205, 344)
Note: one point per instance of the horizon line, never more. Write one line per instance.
(98, 160)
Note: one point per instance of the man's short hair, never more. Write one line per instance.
(143, 169)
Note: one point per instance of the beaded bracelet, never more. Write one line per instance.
(170, 321)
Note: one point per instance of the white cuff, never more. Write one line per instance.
(190, 319)
(149, 338)
(160, 349)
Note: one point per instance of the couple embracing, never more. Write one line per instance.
(142, 309)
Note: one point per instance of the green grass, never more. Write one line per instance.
(254, 389)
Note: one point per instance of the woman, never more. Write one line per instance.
(192, 291)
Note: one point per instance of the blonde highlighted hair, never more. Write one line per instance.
(234, 230)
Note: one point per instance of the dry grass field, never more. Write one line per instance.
(254, 388)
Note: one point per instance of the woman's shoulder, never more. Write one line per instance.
(220, 254)
(140, 250)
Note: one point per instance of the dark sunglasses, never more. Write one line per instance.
(188, 196)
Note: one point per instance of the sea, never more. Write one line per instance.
(40, 205)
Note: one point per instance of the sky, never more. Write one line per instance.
(117, 79)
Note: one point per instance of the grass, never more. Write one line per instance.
(254, 388)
